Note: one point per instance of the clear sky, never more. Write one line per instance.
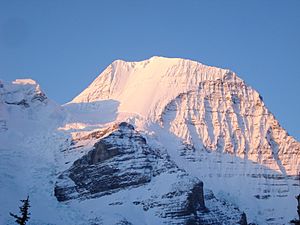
(64, 45)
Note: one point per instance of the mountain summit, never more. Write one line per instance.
(146, 87)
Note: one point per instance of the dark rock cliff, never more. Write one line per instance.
(122, 160)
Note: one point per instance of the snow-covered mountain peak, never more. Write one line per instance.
(21, 92)
(146, 87)
(206, 107)
(23, 102)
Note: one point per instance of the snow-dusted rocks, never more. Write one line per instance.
(25, 109)
(22, 92)
(122, 160)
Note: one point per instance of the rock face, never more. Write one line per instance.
(122, 160)
(195, 200)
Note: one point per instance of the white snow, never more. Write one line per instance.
(24, 81)
(146, 87)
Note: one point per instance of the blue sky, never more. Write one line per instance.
(64, 45)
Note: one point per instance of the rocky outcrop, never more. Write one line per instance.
(243, 220)
(122, 160)
(23, 102)
(195, 199)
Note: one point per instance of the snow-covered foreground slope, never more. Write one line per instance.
(27, 151)
(191, 125)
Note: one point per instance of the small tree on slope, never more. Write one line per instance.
(24, 212)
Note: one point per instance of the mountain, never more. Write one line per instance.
(161, 141)
(207, 107)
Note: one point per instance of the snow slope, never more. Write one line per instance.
(27, 152)
(145, 87)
